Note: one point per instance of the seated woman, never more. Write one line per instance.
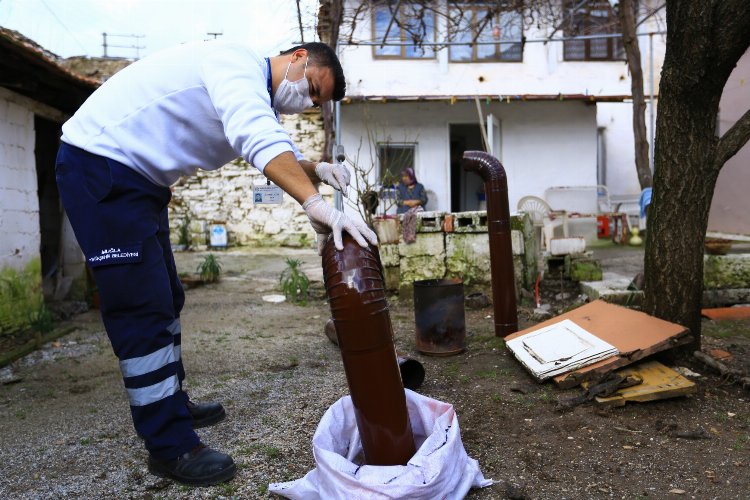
(409, 192)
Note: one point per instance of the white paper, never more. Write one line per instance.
(559, 348)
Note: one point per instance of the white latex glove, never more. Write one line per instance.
(335, 175)
(326, 220)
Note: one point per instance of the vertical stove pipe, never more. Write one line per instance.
(356, 294)
(501, 248)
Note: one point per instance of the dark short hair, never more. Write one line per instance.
(322, 55)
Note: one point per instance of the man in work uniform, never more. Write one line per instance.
(198, 105)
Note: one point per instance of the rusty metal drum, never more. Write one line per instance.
(439, 316)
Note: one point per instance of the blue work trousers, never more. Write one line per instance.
(120, 220)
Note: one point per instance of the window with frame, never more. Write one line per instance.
(498, 35)
(412, 23)
(392, 159)
(594, 17)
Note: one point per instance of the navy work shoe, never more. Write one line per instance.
(200, 467)
(206, 414)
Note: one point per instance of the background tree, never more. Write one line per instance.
(705, 39)
(330, 15)
(627, 12)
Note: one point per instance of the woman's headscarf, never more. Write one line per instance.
(409, 172)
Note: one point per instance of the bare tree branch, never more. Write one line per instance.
(394, 13)
(650, 14)
(299, 20)
(732, 140)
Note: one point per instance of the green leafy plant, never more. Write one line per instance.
(41, 320)
(294, 282)
(20, 297)
(183, 232)
(210, 269)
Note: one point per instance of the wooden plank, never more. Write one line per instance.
(723, 313)
(36, 107)
(659, 382)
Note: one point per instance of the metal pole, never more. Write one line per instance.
(338, 199)
(651, 110)
(104, 43)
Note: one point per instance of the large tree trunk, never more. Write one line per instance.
(704, 41)
(626, 13)
(330, 15)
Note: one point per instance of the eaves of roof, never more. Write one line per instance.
(486, 98)
(30, 70)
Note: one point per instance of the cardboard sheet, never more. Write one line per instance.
(558, 348)
(659, 382)
(634, 334)
(727, 313)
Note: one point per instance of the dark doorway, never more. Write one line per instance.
(466, 188)
(50, 212)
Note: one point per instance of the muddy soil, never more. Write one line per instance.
(65, 427)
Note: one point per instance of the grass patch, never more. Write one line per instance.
(727, 328)
(486, 374)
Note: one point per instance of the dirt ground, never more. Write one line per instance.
(66, 429)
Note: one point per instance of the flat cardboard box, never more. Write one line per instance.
(635, 334)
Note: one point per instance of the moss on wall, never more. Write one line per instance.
(726, 271)
(20, 296)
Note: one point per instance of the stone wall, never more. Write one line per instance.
(455, 250)
(225, 196)
(19, 203)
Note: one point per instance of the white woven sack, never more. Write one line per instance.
(440, 469)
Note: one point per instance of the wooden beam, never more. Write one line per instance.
(36, 107)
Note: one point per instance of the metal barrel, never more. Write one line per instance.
(439, 316)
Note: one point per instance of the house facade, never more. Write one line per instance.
(37, 95)
(555, 111)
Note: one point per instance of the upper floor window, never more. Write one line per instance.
(392, 159)
(594, 17)
(479, 23)
(411, 25)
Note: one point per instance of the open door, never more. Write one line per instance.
(494, 137)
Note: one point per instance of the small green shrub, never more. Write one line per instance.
(210, 269)
(183, 233)
(294, 282)
(41, 320)
(20, 297)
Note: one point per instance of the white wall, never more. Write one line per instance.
(543, 70)
(19, 203)
(544, 143)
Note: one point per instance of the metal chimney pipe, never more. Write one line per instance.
(356, 294)
(492, 172)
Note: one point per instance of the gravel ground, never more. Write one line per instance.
(66, 429)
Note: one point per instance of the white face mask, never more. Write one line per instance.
(292, 97)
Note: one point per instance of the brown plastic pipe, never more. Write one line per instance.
(412, 371)
(356, 294)
(492, 172)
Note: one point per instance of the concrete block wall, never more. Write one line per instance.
(225, 196)
(461, 254)
(19, 202)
